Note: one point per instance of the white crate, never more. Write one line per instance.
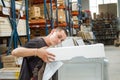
(84, 69)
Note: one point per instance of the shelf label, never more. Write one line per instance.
(6, 11)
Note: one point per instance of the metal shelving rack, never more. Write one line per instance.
(14, 38)
(12, 73)
(74, 13)
(105, 32)
(48, 20)
(9, 73)
(54, 23)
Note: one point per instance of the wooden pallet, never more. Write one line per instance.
(34, 18)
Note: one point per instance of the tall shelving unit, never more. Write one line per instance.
(48, 22)
(51, 22)
(14, 38)
(41, 23)
(105, 31)
(77, 13)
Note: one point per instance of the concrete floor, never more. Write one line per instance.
(113, 55)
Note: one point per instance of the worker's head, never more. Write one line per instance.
(86, 20)
(57, 35)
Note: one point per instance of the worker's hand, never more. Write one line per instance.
(45, 55)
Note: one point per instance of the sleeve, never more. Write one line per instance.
(32, 44)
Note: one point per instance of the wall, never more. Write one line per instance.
(118, 8)
(85, 4)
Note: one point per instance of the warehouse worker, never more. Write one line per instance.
(86, 30)
(86, 26)
(35, 55)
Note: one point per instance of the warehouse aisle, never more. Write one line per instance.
(113, 55)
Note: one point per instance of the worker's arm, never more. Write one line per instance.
(24, 52)
(41, 53)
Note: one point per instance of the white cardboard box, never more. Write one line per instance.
(87, 51)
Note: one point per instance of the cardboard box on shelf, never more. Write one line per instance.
(8, 58)
(60, 1)
(61, 15)
(75, 18)
(9, 64)
(75, 22)
(5, 27)
(34, 12)
(42, 9)
(74, 6)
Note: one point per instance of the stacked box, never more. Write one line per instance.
(60, 1)
(0, 9)
(75, 20)
(21, 28)
(74, 6)
(42, 9)
(3, 48)
(9, 64)
(9, 61)
(5, 27)
(61, 15)
(34, 12)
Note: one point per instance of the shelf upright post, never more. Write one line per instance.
(56, 13)
(51, 15)
(80, 13)
(9, 46)
(13, 15)
(27, 19)
(71, 17)
(11, 38)
(13, 22)
(69, 11)
(45, 14)
(8, 16)
(66, 13)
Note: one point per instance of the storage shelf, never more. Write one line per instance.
(63, 24)
(42, 1)
(75, 13)
(61, 6)
(9, 73)
(75, 26)
(38, 22)
(105, 33)
(2, 15)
